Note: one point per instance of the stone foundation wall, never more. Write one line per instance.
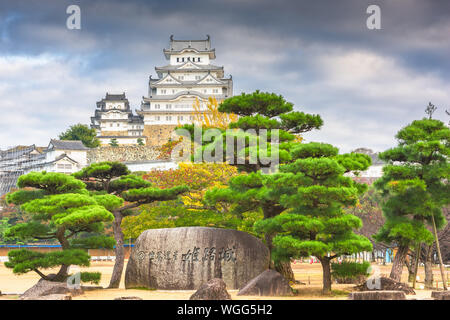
(123, 153)
(158, 135)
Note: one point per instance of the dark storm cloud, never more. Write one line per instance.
(318, 54)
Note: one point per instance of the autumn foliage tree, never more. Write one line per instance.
(59, 208)
(115, 178)
(190, 209)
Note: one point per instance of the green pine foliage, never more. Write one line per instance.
(257, 111)
(415, 186)
(315, 191)
(58, 208)
(112, 180)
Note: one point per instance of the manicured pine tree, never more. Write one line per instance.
(260, 111)
(257, 111)
(113, 142)
(415, 183)
(58, 208)
(115, 178)
(315, 191)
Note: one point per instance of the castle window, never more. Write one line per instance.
(198, 59)
(168, 118)
(158, 118)
(118, 124)
(163, 91)
(178, 59)
(215, 90)
(182, 59)
(110, 124)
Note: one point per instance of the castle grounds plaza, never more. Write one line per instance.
(311, 274)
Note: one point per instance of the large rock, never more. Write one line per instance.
(214, 289)
(377, 295)
(268, 283)
(45, 288)
(440, 295)
(186, 258)
(386, 284)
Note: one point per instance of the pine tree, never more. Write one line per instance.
(115, 178)
(416, 186)
(113, 142)
(58, 208)
(259, 111)
(315, 191)
(260, 114)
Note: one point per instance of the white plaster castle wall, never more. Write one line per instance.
(204, 58)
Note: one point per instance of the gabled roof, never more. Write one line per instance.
(67, 145)
(63, 156)
(178, 46)
(168, 76)
(200, 45)
(115, 97)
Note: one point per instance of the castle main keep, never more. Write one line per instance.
(188, 77)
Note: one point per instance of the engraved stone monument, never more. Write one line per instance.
(185, 258)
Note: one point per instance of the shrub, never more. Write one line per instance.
(350, 272)
(92, 277)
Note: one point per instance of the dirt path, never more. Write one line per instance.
(311, 274)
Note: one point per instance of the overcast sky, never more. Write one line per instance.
(320, 55)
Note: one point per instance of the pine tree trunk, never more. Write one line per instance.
(326, 268)
(410, 266)
(119, 251)
(64, 269)
(399, 260)
(438, 249)
(416, 263)
(285, 269)
(428, 268)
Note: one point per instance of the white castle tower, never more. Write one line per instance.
(188, 76)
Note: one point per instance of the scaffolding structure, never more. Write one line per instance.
(16, 161)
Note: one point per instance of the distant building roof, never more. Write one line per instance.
(200, 45)
(370, 153)
(176, 46)
(67, 145)
(115, 97)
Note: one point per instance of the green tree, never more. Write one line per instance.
(415, 183)
(113, 142)
(83, 133)
(140, 141)
(59, 208)
(259, 111)
(115, 178)
(315, 191)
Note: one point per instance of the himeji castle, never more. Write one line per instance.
(189, 76)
